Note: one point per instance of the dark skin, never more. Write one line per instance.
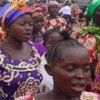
(96, 17)
(19, 33)
(53, 11)
(38, 23)
(70, 72)
(53, 38)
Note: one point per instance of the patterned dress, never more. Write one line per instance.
(90, 43)
(19, 77)
(89, 96)
(75, 11)
(55, 22)
(96, 83)
(38, 43)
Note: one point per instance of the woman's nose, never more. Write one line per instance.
(80, 74)
(29, 27)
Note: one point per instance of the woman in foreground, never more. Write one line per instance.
(19, 66)
(69, 64)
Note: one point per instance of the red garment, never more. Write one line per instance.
(90, 43)
(53, 23)
(75, 11)
(96, 83)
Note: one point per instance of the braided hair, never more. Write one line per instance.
(56, 50)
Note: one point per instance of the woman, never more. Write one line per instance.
(53, 20)
(69, 64)
(19, 70)
(38, 28)
(75, 10)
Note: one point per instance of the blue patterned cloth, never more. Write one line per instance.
(13, 14)
(19, 77)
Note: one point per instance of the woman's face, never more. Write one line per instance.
(96, 17)
(71, 71)
(21, 28)
(53, 10)
(38, 22)
(52, 39)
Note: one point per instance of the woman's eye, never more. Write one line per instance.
(87, 68)
(70, 68)
(31, 24)
(22, 24)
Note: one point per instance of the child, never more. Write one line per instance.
(50, 38)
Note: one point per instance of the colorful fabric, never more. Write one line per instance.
(11, 11)
(90, 39)
(53, 3)
(90, 43)
(92, 7)
(38, 9)
(96, 83)
(53, 23)
(75, 11)
(89, 96)
(38, 45)
(19, 77)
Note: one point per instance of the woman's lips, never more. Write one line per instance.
(79, 87)
(27, 34)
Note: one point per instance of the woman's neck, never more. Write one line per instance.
(35, 34)
(53, 16)
(15, 44)
(35, 31)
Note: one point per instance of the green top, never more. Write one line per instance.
(92, 7)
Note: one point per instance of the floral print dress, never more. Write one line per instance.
(52, 23)
(19, 77)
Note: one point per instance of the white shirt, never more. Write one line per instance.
(47, 82)
(65, 10)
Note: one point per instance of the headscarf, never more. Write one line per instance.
(37, 9)
(53, 3)
(11, 11)
(93, 5)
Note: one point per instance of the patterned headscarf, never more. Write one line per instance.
(53, 3)
(38, 9)
(93, 5)
(11, 11)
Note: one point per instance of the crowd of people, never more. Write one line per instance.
(42, 57)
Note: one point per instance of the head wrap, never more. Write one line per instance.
(11, 11)
(53, 3)
(37, 9)
(92, 7)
